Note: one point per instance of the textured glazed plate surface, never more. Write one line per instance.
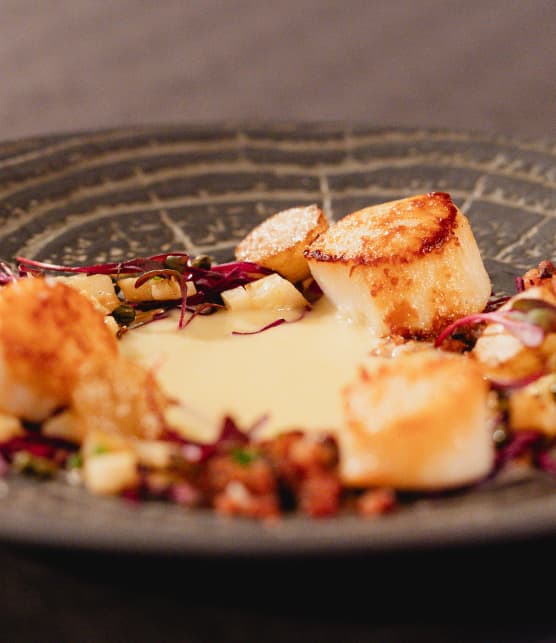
(116, 194)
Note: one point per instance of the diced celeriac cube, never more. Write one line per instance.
(10, 427)
(504, 357)
(269, 293)
(64, 426)
(155, 289)
(156, 454)
(98, 288)
(110, 473)
(534, 406)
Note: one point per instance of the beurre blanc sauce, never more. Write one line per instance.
(293, 373)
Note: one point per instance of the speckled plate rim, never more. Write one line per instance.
(293, 536)
(432, 525)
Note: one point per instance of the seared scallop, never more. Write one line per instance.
(279, 241)
(48, 331)
(405, 267)
(420, 421)
(56, 353)
(120, 397)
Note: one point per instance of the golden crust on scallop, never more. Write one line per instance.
(57, 352)
(278, 242)
(405, 267)
(120, 397)
(392, 232)
(420, 421)
(47, 331)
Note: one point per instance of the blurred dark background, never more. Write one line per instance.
(83, 64)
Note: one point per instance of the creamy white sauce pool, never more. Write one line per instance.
(293, 373)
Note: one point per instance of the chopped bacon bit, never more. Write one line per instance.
(374, 502)
(546, 269)
(319, 494)
(257, 476)
(236, 500)
(306, 466)
(296, 455)
(545, 272)
(453, 345)
(238, 476)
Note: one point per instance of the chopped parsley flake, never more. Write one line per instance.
(243, 456)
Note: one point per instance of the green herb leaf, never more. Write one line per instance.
(75, 461)
(243, 456)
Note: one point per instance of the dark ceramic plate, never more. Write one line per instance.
(116, 194)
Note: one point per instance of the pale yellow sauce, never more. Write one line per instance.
(293, 373)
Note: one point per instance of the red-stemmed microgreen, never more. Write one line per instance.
(209, 280)
(528, 319)
(7, 275)
(273, 324)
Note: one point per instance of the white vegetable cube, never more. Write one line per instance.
(65, 426)
(534, 406)
(165, 289)
(98, 288)
(156, 454)
(154, 289)
(237, 299)
(10, 427)
(504, 356)
(268, 293)
(274, 291)
(110, 473)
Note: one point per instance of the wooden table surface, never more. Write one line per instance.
(481, 64)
